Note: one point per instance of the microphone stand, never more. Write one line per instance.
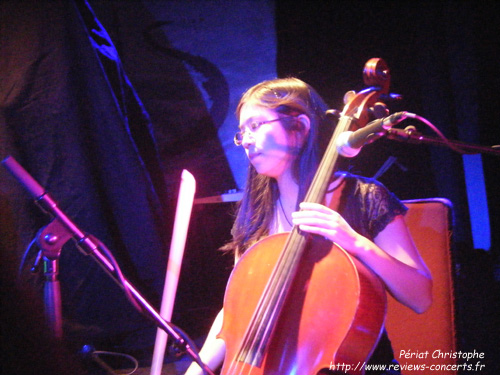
(51, 240)
(410, 135)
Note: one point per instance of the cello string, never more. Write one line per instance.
(275, 300)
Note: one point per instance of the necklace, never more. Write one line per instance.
(284, 213)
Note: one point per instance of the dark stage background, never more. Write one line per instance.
(101, 103)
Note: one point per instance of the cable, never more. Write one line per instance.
(97, 353)
(438, 132)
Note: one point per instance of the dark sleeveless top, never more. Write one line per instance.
(368, 207)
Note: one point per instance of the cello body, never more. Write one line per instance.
(332, 317)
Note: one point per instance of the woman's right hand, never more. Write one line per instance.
(213, 351)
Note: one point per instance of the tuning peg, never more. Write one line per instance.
(379, 110)
(333, 113)
(348, 96)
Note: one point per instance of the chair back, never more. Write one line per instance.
(424, 339)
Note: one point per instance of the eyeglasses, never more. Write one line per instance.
(253, 126)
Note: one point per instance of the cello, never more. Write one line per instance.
(296, 303)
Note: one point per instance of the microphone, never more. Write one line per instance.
(350, 143)
(43, 198)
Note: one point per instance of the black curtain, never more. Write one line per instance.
(71, 117)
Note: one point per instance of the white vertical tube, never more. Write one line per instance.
(178, 242)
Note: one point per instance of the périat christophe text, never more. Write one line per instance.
(441, 354)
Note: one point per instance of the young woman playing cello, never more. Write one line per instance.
(284, 130)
